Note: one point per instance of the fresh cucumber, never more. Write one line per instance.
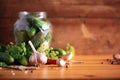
(4, 57)
(23, 61)
(60, 51)
(3, 64)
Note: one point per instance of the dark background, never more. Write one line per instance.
(100, 34)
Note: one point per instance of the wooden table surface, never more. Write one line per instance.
(83, 67)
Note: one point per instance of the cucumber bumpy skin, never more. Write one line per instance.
(36, 22)
(8, 59)
(55, 53)
(3, 64)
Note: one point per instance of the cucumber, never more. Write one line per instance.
(48, 37)
(60, 51)
(23, 61)
(31, 32)
(36, 22)
(4, 57)
(70, 49)
(22, 36)
(3, 64)
(37, 39)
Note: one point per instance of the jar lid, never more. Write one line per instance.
(23, 13)
(42, 15)
(39, 14)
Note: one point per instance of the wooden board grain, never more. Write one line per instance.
(60, 8)
(96, 36)
(91, 68)
(99, 35)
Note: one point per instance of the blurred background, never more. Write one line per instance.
(91, 26)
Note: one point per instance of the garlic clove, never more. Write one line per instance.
(41, 58)
(33, 59)
(60, 62)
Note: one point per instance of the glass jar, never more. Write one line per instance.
(33, 26)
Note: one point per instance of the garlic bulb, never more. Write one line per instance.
(33, 59)
(41, 58)
(36, 58)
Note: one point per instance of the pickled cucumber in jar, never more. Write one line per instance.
(33, 26)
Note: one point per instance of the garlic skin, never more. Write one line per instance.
(41, 58)
(36, 58)
(116, 56)
(60, 62)
(33, 59)
(67, 57)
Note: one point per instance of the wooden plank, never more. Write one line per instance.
(9, 22)
(96, 36)
(65, 2)
(58, 9)
(75, 71)
(6, 35)
(88, 21)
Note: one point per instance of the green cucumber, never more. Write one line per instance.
(4, 57)
(23, 61)
(36, 22)
(31, 32)
(60, 51)
(37, 39)
(3, 64)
